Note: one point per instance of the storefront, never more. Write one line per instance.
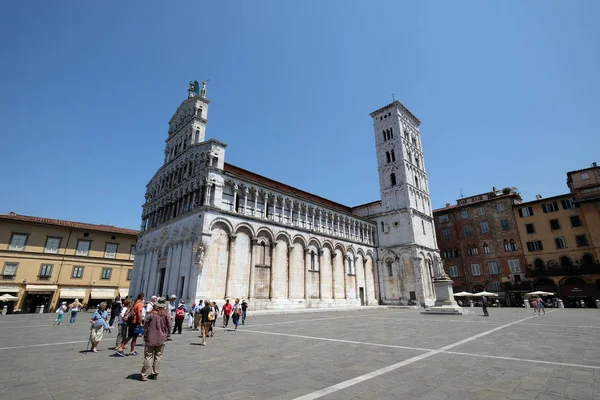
(98, 295)
(37, 296)
(124, 292)
(573, 294)
(71, 294)
(13, 291)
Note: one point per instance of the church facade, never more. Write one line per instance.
(212, 230)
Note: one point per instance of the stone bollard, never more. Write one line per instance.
(561, 304)
(597, 303)
(4, 310)
(41, 309)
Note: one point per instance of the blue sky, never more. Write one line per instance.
(507, 93)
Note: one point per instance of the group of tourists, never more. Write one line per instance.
(73, 308)
(156, 321)
(537, 303)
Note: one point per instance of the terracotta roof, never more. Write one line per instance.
(263, 181)
(454, 206)
(544, 199)
(68, 224)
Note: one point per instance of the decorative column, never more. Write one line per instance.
(246, 191)
(230, 259)
(292, 213)
(306, 269)
(333, 254)
(289, 271)
(274, 208)
(355, 278)
(207, 198)
(271, 276)
(253, 244)
(346, 262)
(364, 267)
(266, 210)
(282, 210)
(255, 202)
(320, 220)
(380, 273)
(313, 219)
(321, 280)
(235, 190)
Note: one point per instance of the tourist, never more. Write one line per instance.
(172, 306)
(534, 305)
(148, 308)
(122, 324)
(61, 313)
(205, 320)
(74, 307)
(115, 310)
(237, 313)
(135, 323)
(191, 316)
(197, 316)
(179, 316)
(215, 311)
(540, 306)
(158, 326)
(226, 312)
(99, 325)
(244, 308)
(484, 306)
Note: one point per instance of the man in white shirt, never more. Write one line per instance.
(148, 309)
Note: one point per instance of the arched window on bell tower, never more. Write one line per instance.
(387, 156)
(393, 155)
(393, 179)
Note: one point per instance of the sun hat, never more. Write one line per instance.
(161, 302)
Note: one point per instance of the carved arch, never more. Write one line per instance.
(266, 232)
(283, 236)
(300, 239)
(245, 226)
(224, 222)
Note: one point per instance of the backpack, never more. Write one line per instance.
(179, 313)
(210, 315)
(128, 317)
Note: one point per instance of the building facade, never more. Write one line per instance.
(479, 242)
(559, 235)
(213, 230)
(45, 261)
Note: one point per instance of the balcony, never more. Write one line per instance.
(44, 277)
(7, 277)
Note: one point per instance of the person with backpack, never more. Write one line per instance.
(237, 313)
(115, 310)
(135, 326)
(122, 333)
(158, 326)
(61, 313)
(179, 316)
(205, 323)
(226, 312)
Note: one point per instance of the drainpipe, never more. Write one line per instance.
(60, 267)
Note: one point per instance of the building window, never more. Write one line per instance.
(468, 230)
(390, 270)
(106, 273)
(52, 245)
(493, 268)
(535, 245)
(515, 266)
(472, 251)
(486, 248)
(513, 245)
(446, 233)
(464, 214)
(567, 204)
(417, 163)
(525, 212)
(480, 211)
(475, 269)
(581, 240)
(77, 272)
(529, 228)
(132, 252)
(17, 242)
(506, 245)
(83, 248)
(484, 227)
(443, 218)
(500, 207)
(584, 176)
(495, 286)
(560, 243)
(550, 207)
(45, 272)
(554, 225)
(393, 179)
(455, 253)
(110, 251)
(384, 136)
(388, 158)
(129, 274)
(453, 271)
(10, 271)
(505, 224)
(575, 221)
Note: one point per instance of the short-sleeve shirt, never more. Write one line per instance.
(137, 312)
(204, 313)
(227, 307)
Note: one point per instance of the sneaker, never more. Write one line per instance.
(119, 353)
(153, 377)
(203, 344)
(94, 350)
(135, 353)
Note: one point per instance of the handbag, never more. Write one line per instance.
(139, 330)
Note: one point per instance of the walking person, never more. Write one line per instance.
(484, 306)
(191, 316)
(172, 306)
(244, 308)
(99, 326)
(534, 305)
(74, 307)
(157, 327)
(215, 314)
(61, 313)
(205, 322)
(540, 306)
(197, 316)
(122, 334)
(135, 325)
(179, 316)
(237, 313)
(115, 310)
(226, 312)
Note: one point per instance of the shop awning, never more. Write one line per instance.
(9, 289)
(41, 288)
(72, 293)
(124, 292)
(102, 293)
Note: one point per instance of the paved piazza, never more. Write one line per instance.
(368, 354)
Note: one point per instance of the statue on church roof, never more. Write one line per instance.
(193, 89)
(203, 93)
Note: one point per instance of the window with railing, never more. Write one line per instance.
(45, 272)
(9, 271)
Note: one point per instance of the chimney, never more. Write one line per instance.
(538, 196)
(12, 214)
(594, 164)
(447, 205)
(493, 188)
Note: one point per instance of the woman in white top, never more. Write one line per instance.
(61, 313)
(74, 306)
(122, 334)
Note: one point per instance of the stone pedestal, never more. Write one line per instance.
(444, 298)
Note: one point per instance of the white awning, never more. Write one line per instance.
(72, 293)
(41, 288)
(124, 292)
(9, 289)
(102, 293)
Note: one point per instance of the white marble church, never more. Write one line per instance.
(213, 230)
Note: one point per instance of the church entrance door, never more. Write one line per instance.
(361, 292)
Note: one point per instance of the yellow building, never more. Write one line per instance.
(585, 186)
(45, 261)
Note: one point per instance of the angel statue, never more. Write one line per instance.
(200, 256)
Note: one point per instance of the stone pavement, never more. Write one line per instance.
(362, 354)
